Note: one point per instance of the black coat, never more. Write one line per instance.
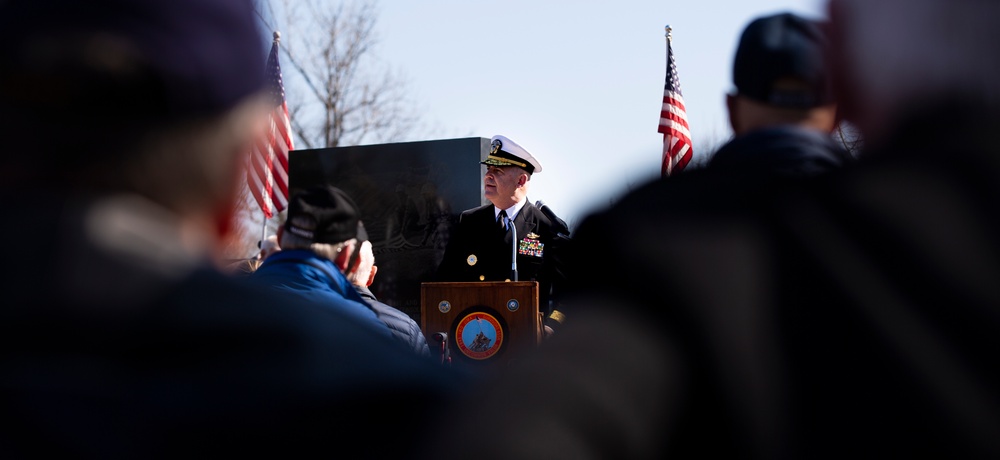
(854, 314)
(781, 150)
(479, 250)
(109, 355)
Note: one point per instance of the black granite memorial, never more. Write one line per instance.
(410, 195)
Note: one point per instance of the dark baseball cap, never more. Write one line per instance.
(780, 62)
(323, 214)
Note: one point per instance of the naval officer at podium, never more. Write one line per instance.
(510, 238)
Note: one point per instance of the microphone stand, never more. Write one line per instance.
(513, 249)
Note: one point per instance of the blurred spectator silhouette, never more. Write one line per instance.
(853, 314)
(126, 125)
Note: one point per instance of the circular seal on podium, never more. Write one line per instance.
(479, 334)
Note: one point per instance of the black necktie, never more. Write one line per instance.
(502, 219)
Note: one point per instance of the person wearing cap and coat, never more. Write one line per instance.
(127, 124)
(362, 259)
(782, 112)
(851, 314)
(480, 247)
(319, 241)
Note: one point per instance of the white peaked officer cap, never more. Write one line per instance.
(505, 152)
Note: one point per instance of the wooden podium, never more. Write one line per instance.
(484, 323)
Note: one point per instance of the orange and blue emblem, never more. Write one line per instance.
(480, 335)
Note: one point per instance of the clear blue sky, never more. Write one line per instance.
(578, 84)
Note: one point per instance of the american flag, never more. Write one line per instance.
(267, 173)
(673, 121)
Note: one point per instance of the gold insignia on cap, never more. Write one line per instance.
(494, 160)
(496, 145)
(532, 235)
(471, 260)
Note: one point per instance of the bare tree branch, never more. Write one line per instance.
(348, 97)
(298, 128)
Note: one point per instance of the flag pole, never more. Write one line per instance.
(263, 231)
(263, 236)
(276, 36)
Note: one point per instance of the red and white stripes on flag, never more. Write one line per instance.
(677, 150)
(267, 172)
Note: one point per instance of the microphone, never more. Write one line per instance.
(560, 224)
(442, 338)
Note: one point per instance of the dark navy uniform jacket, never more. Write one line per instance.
(479, 250)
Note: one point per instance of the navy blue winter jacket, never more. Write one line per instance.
(302, 273)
